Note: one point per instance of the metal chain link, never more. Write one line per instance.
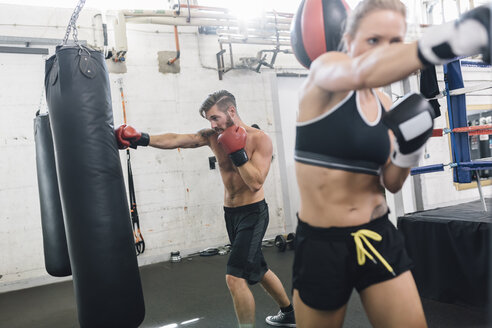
(72, 24)
(277, 34)
(41, 99)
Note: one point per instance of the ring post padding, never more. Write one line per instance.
(427, 169)
(477, 165)
(457, 118)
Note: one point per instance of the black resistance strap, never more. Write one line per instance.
(139, 241)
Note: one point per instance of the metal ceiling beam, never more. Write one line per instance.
(24, 50)
(4, 39)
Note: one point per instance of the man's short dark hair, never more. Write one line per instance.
(222, 98)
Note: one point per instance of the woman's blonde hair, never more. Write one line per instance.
(367, 6)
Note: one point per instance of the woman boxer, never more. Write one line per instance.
(345, 152)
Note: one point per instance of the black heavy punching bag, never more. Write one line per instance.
(56, 258)
(100, 243)
(317, 28)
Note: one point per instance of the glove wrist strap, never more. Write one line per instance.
(239, 157)
(407, 160)
(144, 139)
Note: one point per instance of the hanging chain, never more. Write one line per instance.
(41, 99)
(72, 25)
(277, 34)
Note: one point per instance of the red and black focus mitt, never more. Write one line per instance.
(317, 28)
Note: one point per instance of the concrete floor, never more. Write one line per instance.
(195, 289)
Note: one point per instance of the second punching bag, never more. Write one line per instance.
(56, 258)
(105, 272)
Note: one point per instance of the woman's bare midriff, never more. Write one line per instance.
(335, 198)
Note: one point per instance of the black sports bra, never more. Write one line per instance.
(343, 139)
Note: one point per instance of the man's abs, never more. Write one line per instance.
(236, 192)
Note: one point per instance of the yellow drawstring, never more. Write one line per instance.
(362, 235)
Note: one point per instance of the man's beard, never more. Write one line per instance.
(229, 123)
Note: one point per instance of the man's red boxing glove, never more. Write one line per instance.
(122, 143)
(127, 136)
(233, 140)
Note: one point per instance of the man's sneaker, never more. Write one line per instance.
(282, 319)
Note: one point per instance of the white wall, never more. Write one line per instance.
(179, 198)
(288, 98)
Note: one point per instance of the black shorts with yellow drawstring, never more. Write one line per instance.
(330, 262)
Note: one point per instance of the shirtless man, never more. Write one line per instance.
(244, 156)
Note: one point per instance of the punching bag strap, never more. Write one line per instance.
(139, 241)
(86, 65)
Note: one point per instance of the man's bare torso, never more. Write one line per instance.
(236, 191)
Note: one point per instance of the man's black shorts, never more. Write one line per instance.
(246, 226)
(326, 268)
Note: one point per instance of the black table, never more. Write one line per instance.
(451, 248)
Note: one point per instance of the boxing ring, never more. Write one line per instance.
(451, 246)
(458, 131)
